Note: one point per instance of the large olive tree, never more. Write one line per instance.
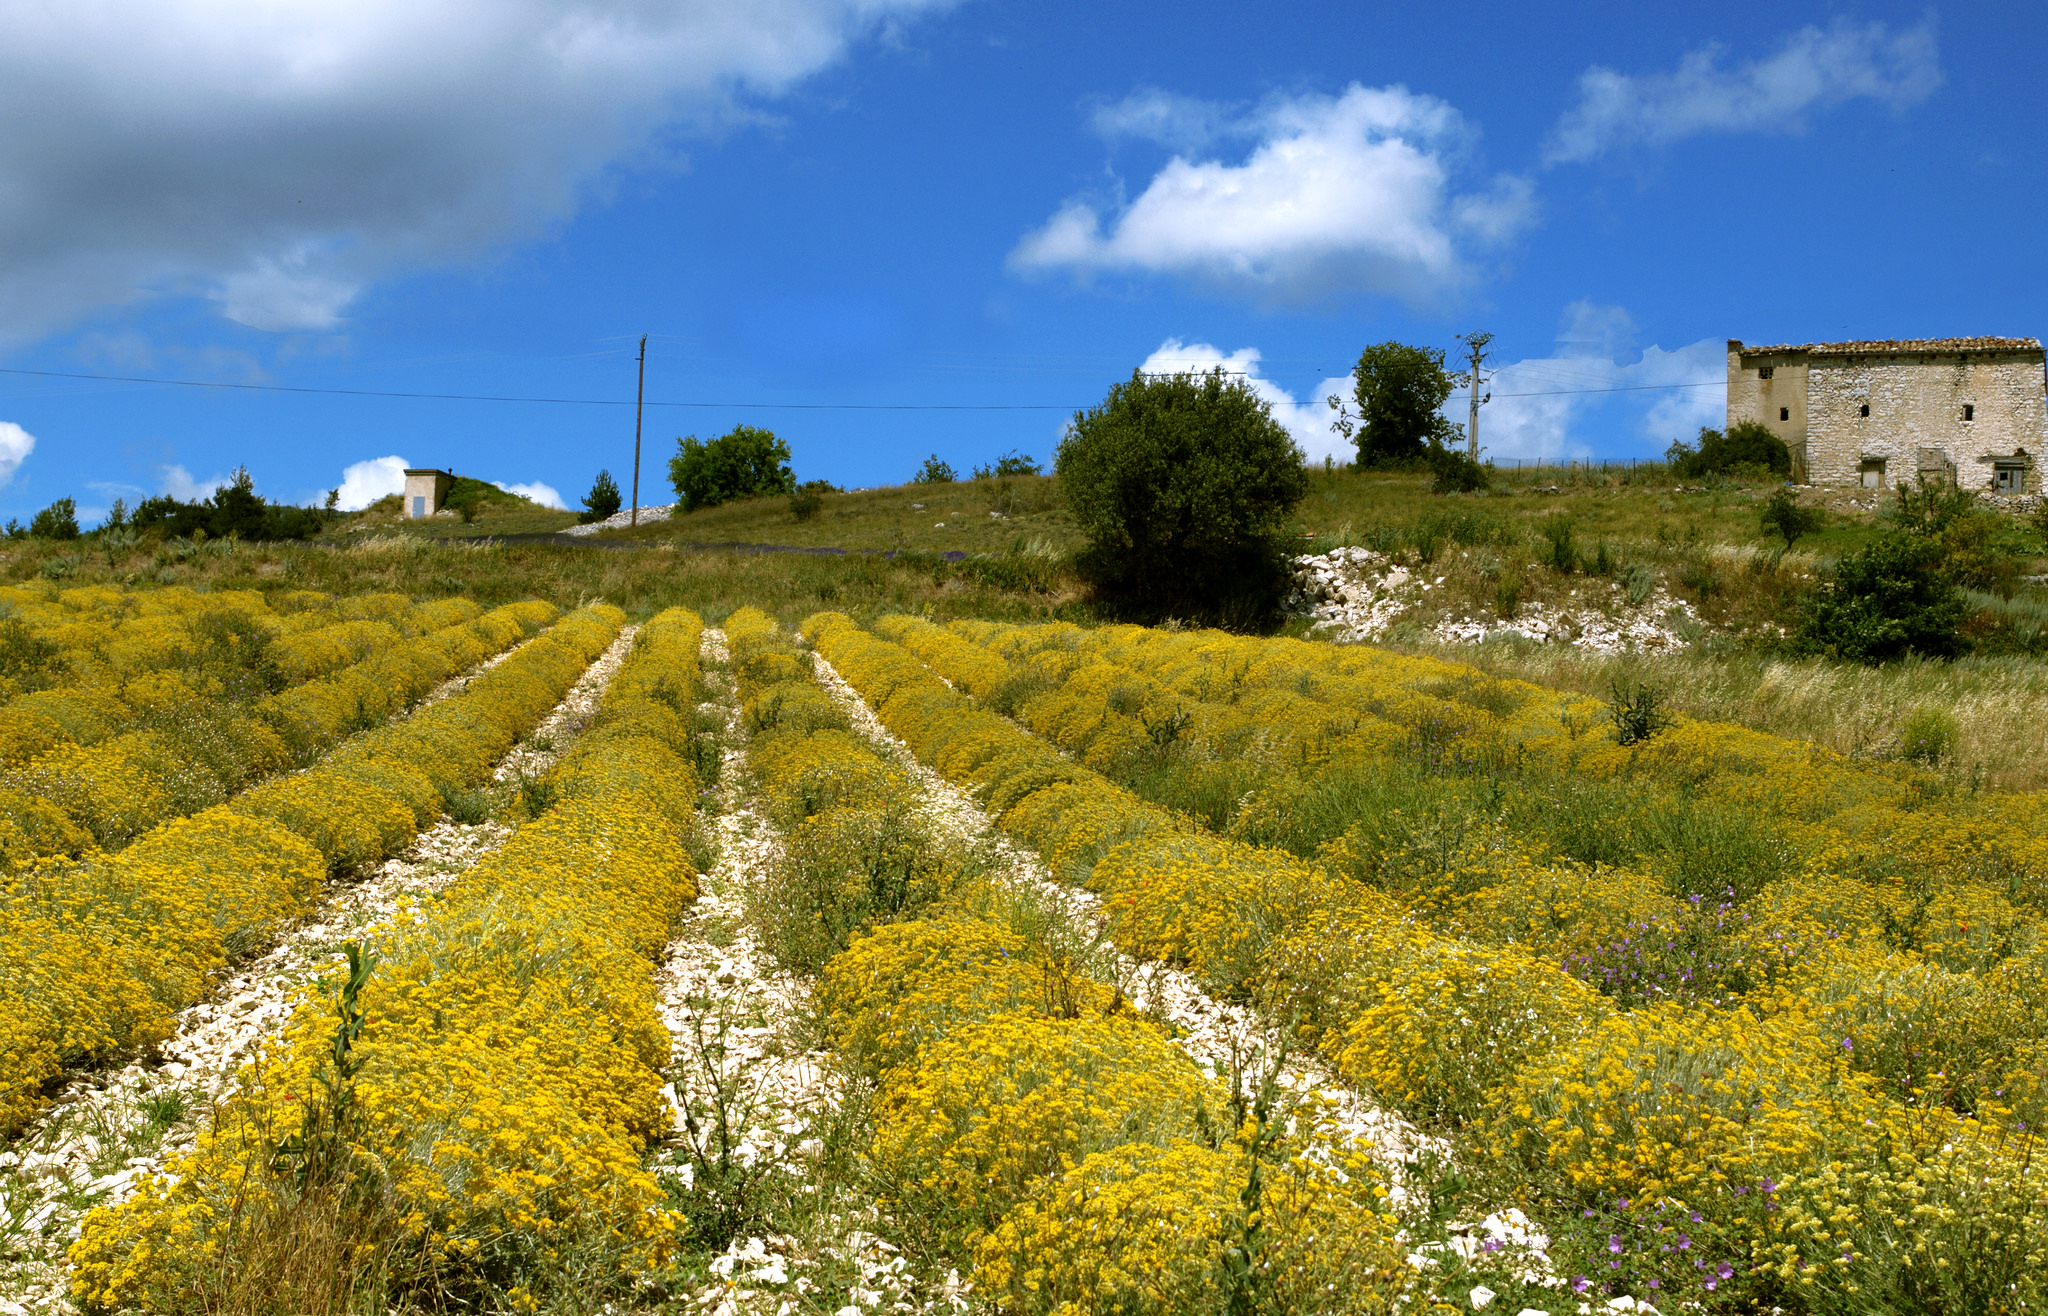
(1183, 484)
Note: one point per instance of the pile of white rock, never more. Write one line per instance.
(621, 520)
(1357, 596)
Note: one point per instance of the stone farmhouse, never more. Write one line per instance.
(1970, 411)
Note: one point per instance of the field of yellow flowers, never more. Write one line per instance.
(1720, 1021)
(1742, 1023)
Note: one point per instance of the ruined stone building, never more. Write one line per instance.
(1973, 411)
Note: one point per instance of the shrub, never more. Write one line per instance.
(1747, 448)
(1182, 485)
(602, 501)
(57, 521)
(1559, 532)
(1884, 602)
(1010, 463)
(934, 471)
(1782, 515)
(1455, 472)
(809, 498)
(1928, 734)
(1638, 712)
(747, 463)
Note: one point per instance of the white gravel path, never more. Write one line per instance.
(718, 989)
(109, 1127)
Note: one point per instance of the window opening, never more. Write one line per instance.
(1969, 411)
(1784, 413)
(1865, 409)
(1764, 372)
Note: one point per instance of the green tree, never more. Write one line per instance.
(602, 501)
(1182, 485)
(236, 508)
(934, 471)
(1010, 463)
(1747, 448)
(747, 463)
(1782, 515)
(57, 521)
(1884, 602)
(1400, 391)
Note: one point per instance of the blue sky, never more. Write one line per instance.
(821, 205)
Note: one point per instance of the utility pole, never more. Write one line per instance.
(1477, 344)
(639, 403)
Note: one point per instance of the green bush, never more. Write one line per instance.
(1010, 463)
(1928, 734)
(1747, 448)
(1455, 472)
(602, 501)
(747, 463)
(934, 471)
(1884, 602)
(57, 521)
(809, 498)
(1182, 485)
(1782, 515)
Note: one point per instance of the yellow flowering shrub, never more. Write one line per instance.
(1454, 1022)
(903, 985)
(1665, 1101)
(993, 1108)
(510, 1069)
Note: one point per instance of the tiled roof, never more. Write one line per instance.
(1888, 346)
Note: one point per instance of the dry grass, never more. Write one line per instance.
(1999, 704)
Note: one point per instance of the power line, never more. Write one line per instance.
(735, 406)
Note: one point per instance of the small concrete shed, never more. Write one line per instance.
(425, 491)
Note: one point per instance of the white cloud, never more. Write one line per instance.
(1542, 406)
(1346, 193)
(1180, 123)
(1815, 69)
(364, 482)
(278, 157)
(1308, 422)
(177, 482)
(544, 494)
(16, 444)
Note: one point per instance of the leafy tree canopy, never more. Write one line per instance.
(234, 509)
(1746, 447)
(602, 501)
(1182, 485)
(1400, 391)
(747, 463)
(934, 471)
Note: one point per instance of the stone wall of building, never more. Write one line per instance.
(1916, 415)
(1779, 403)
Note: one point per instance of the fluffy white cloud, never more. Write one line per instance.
(1815, 69)
(16, 444)
(544, 494)
(278, 157)
(1339, 194)
(177, 482)
(1542, 406)
(364, 482)
(1308, 422)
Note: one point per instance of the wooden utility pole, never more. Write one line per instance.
(639, 404)
(1477, 343)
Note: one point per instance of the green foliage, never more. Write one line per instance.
(1401, 391)
(57, 521)
(1884, 602)
(934, 471)
(602, 501)
(1455, 472)
(1182, 485)
(1782, 515)
(747, 463)
(1558, 532)
(1747, 448)
(1010, 463)
(235, 510)
(809, 498)
(1638, 712)
(1928, 735)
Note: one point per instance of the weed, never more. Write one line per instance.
(1638, 711)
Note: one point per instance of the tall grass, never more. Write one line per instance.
(1999, 703)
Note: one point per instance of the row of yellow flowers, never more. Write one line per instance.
(104, 791)
(480, 1132)
(1816, 1132)
(1044, 1129)
(97, 956)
